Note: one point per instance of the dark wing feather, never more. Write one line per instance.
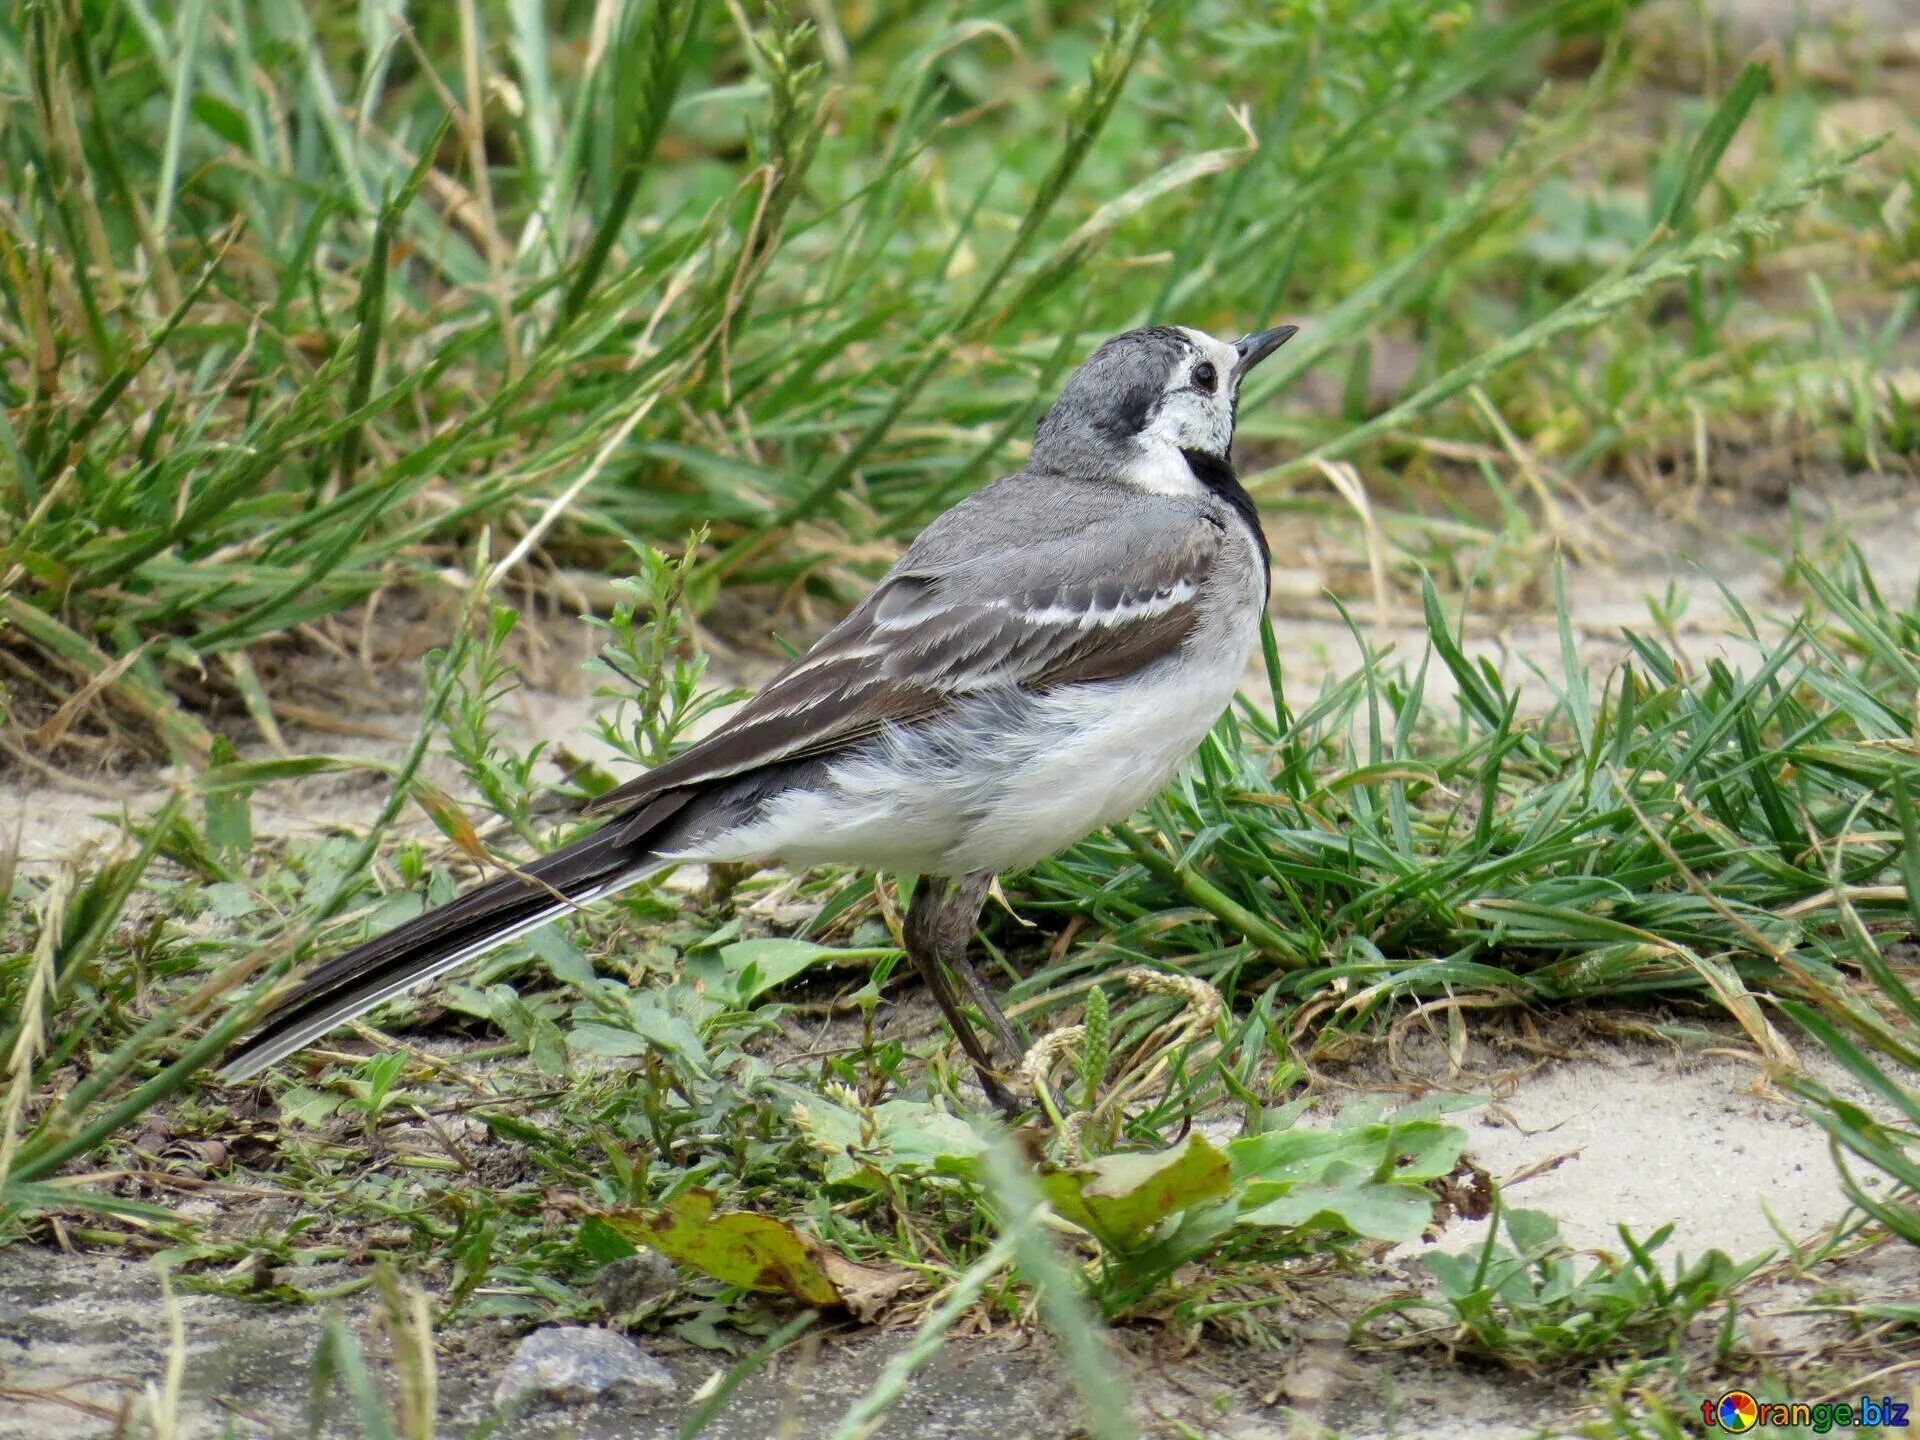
(927, 637)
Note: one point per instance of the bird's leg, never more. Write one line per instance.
(938, 926)
(961, 917)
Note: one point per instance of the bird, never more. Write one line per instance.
(1035, 666)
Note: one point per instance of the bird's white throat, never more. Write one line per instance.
(1160, 467)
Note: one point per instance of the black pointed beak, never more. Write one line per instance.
(1256, 348)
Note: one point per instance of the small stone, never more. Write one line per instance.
(624, 1285)
(573, 1363)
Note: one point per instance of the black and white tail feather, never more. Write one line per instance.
(1035, 667)
(428, 946)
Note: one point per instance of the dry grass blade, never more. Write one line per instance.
(29, 1039)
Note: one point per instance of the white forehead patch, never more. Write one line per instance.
(1223, 355)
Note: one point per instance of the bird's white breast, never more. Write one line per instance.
(1115, 744)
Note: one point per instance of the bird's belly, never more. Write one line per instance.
(1116, 744)
(1004, 780)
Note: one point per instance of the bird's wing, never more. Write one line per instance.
(948, 622)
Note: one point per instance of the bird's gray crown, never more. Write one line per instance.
(1095, 425)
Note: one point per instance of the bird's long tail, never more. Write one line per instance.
(429, 945)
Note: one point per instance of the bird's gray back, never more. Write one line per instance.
(1029, 529)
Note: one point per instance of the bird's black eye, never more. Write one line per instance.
(1205, 377)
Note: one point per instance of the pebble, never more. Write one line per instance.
(574, 1363)
(624, 1285)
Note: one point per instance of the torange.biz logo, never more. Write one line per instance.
(1738, 1411)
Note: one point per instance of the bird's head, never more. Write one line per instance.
(1141, 402)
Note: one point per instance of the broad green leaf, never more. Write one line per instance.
(304, 1106)
(1120, 1198)
(546, 1047)
(596, 1039)
(601, 1241)
(653, 1029)
(229, 900)
(563, 959)
(1425, 1150)
(755, 1252)
(757, 966)
(221, 118)
(1533, 1231)
(1454, 1272)
(907, 1136)
(1286, 1154)
(1410, 1150)
(1348, 1200)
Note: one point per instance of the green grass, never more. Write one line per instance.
(299, 312)
(1536, 1307)
(1671, 831)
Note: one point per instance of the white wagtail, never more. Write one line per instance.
(1035, 666)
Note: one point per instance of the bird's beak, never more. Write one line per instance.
(1256, 348)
